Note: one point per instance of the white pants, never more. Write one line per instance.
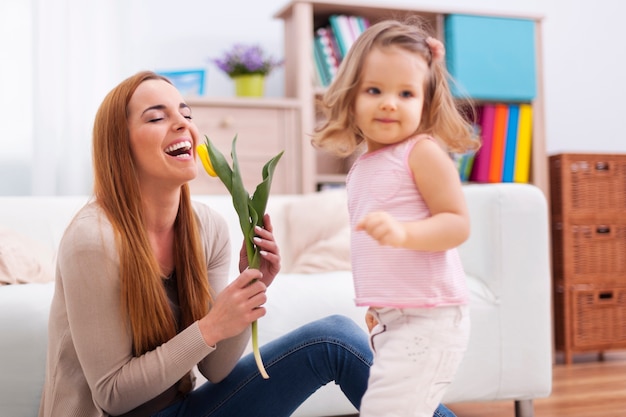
(417, 352)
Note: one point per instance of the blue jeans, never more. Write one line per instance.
(330, 349)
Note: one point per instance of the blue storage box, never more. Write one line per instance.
(491, 58)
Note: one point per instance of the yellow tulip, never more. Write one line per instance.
(203, 154)
(250, 209)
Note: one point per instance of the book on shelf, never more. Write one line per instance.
(524, 144)
(326, 61)
(464, 163)
(510, 146)
(339, 25)
(498, 140)
(321, 71)
(333, 41)
(480, 170)
(506, 139)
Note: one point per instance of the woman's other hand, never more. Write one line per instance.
(270, 253)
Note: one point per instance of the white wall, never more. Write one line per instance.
(583, 55)
(582, 41)
(16, 146)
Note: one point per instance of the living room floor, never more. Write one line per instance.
(587, 388)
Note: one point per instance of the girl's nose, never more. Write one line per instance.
(388, 103)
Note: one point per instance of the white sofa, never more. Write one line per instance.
(506, 260)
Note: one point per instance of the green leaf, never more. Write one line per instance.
(220, 164)
(262, 192)
(240, 202)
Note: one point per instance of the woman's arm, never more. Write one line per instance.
(100, 335)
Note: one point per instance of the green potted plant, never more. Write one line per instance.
(247, 65)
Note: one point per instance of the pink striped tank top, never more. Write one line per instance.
(397, 277)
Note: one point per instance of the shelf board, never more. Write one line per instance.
(355, 7)
(245, 102)
(331, 178)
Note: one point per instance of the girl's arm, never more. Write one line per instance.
(438, 181)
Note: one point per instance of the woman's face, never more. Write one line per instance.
(162, 136)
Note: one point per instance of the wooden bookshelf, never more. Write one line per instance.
(264, 127)
(302, 17)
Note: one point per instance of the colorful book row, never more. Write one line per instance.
(333, 41)
(505, 153)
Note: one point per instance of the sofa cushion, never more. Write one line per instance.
(24, 337)
(319, 234)
(23, 260)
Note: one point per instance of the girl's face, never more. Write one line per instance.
(388, 105)
(162, 136)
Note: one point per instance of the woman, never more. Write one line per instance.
(142, 293)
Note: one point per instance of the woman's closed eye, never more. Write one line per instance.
(154, 116)
(155, 119)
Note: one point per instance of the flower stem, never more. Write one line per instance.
(255, 350)
(254, 261)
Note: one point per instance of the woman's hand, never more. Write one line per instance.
(270, 253)
(235, 308)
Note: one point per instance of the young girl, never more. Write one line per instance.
(407, 211)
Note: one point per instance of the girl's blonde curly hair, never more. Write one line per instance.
(441, 118)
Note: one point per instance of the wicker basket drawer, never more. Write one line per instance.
(587, 183)
(599, 318)
(588, 253)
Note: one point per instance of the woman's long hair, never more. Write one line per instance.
(116, 190)
(440, 116)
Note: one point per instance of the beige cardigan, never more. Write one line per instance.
(90, 367)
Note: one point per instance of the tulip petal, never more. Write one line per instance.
(203, 155)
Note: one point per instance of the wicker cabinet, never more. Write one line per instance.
(264, 127)
(588, 208)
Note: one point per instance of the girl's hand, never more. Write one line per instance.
(235, 308)
(270, 253)
(384, 228)
(370, 321)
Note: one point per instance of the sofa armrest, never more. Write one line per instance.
(509, 235)
(508, 258)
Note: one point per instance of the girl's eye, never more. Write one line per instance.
(406, 94)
